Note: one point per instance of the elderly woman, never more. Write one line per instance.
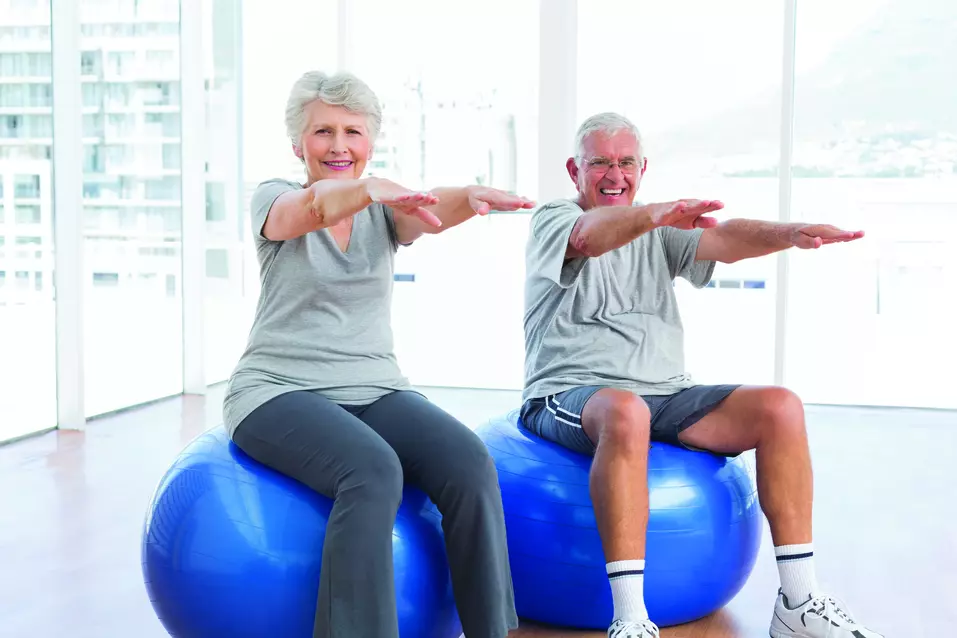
(318, 394)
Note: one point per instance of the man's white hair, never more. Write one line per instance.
(341, 89)
(608, 123)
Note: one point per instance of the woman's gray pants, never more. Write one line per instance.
(360, 456)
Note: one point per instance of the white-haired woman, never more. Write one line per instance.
(318, 394)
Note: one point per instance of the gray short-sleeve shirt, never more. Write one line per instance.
(322, 321)
(611, 320)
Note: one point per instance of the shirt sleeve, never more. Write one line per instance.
(262, 200)
(389, 216)
(680, 247)
(550, 229)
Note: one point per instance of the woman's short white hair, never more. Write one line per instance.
(340, 89)
(608, 123)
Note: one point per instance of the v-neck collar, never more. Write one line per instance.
(352, 235)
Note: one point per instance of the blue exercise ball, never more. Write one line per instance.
(233, 548)
(704, 530)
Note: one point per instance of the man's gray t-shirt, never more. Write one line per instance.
(322, 321)
(611, 320)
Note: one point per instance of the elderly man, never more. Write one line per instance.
(604, 368)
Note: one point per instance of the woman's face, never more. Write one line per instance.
(335, 143)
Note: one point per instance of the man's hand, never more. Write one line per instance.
(402, 200)
(816, 235)
(685, 214)
(482, 200)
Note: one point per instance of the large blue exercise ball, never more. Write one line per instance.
(704, 530)
(233, 548)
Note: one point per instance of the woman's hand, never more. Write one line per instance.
(402, 200)
(483, 199)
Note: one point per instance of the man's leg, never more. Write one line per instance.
(769, 420)
(614, 426)
(619, 423)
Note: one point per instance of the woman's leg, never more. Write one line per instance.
(452, 465)
(313, 440)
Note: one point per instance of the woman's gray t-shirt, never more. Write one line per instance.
(322, 321)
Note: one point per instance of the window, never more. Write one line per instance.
(27, 310)
(466, 118)
(875, 149)
(217, 263)
(106, 279)
(27, 214)
(215, 202)
(230, 293)
(26, 186)
(133, 325)
(90, 63)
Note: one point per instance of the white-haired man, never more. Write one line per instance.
(604, 368)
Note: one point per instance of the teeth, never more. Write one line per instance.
(338, 163)
(611, 191)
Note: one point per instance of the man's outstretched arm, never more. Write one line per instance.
(738, 239)
(604, 229)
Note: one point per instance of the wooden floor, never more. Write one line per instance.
(72, 507)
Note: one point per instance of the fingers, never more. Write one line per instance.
(827, 234)
(427, 216)
(686, 213)
(413, 199)
(501, 201)
(702, 206)
(807, 242)
(481, 207)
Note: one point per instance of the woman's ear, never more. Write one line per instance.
(297, 150)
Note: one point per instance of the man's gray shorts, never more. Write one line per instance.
(557, 417)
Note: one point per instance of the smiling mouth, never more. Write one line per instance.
(611, 192)
(339, 165)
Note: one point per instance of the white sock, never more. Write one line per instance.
(627, 579)
(796, 568)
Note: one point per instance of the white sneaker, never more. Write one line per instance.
(642, 629)
(819, 617)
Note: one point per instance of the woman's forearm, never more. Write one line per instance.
(453, 208)
(323, 204)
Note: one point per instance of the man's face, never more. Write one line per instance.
(609, 171)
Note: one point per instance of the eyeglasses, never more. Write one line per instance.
(603, 165)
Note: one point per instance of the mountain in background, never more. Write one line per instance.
(889, 88)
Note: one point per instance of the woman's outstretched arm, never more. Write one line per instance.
(455, 205)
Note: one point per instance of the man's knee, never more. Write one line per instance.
(619, 418)
(779, 412)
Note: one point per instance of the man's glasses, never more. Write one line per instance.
(627, 165)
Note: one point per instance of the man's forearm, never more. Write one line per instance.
(602, 230)
(747, 238)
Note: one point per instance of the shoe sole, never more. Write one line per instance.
(778, 633)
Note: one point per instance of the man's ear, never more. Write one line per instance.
(572, 169)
